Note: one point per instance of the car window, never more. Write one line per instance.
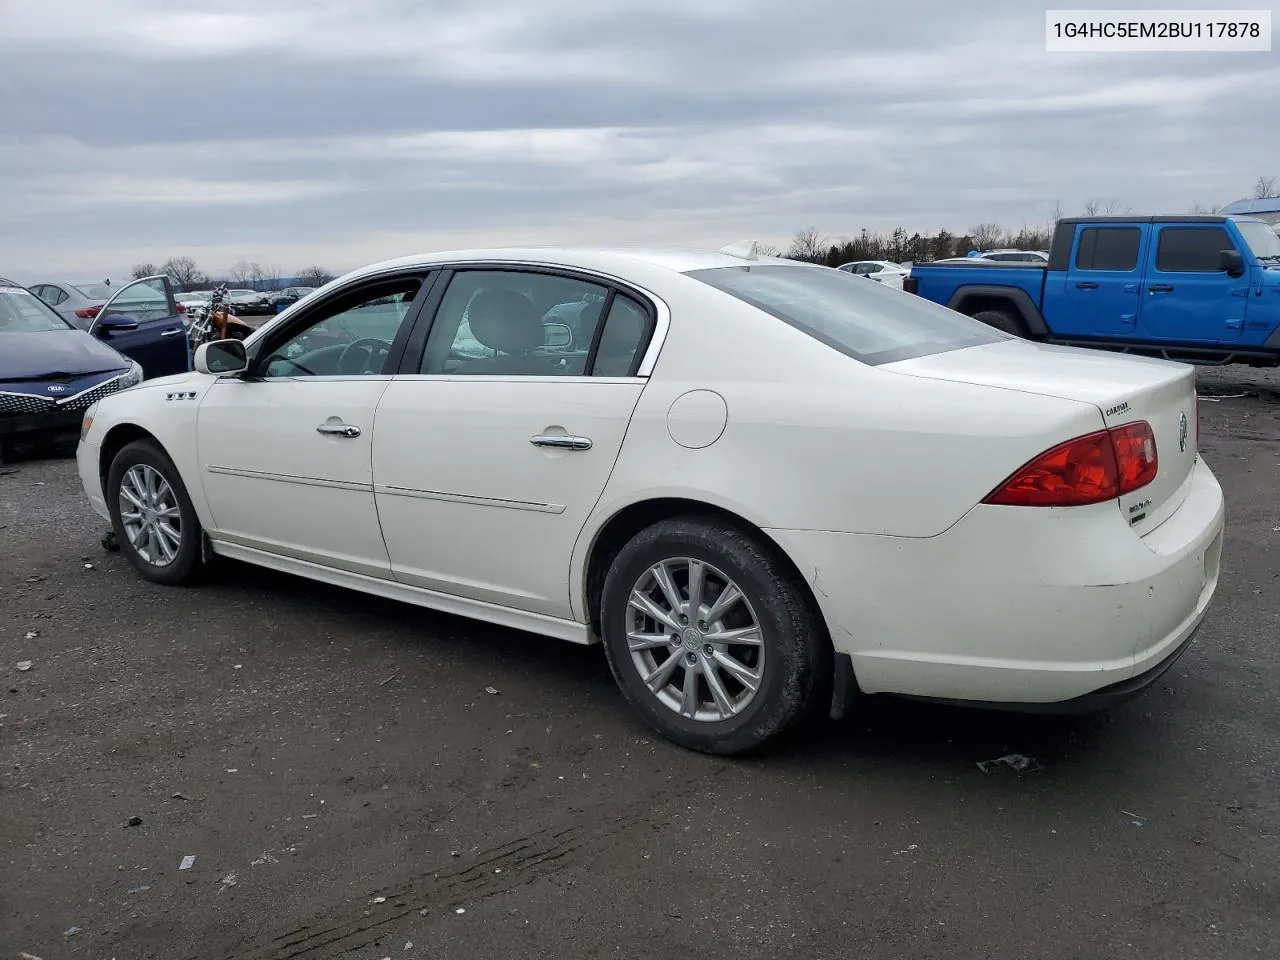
(622, 342)
(1191, 249)
(870, 322)
(1108, 248)
(142, 301)
(514, 323)
(21, 311)
(349, 335)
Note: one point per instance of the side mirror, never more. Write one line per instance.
(115, 323)
(1232, 262)
(221, 358)
(557, 335)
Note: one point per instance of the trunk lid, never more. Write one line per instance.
(1125, 389)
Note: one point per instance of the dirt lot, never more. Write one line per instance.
(349, 789)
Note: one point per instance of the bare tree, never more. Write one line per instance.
(269, 275)
(808, 245)
(1264, 187)
(986, 236)
(1105, 207)
(1200, 208)
(314, 276)
(766, 250)
(241, 271)
(140, 270)
(182, 270)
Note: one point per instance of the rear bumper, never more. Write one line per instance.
(1032, 609)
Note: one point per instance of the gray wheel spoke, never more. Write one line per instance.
(167, 533)
(746, 636)
(127, 494)
(641, 602)
(743, 674)
(695, 588)
(645, 641)
(663, 577)
(727, 599)
(689, 695)
(169, 513)
(167, 552)
(659, 677)
(718, 694)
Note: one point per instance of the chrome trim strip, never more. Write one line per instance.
(393, 491)
(289, 478)
(60, 400)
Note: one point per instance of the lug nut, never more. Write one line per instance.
(684, 621)
(708, 650)
(693, 658)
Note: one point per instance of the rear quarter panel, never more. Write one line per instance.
(951, 284)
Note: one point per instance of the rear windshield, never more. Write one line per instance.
(23, 312)
(861, 318)
(96, 291)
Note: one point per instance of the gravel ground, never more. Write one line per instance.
(348, 788)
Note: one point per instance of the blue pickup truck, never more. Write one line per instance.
(1202, 289)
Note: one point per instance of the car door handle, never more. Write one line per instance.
(1086, 285)
(339, 430)
(171, 333)
(1160, 288)
(567, 443)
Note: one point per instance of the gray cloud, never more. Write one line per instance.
(348, 130)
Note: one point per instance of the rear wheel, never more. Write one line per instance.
(711, 638)
(1002, 320)
(152, 516)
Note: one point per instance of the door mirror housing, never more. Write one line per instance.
(221, 358)
(557, 335)
(1232, 262)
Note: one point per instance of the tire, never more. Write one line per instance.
(1002, 320)
(145, 456)
(793, 659)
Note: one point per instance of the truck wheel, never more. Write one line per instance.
(1002, 320)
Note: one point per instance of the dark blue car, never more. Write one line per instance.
(51, 372)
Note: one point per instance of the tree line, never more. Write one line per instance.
(900, 247)
(186, 274)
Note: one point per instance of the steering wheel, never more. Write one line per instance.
(372, 347)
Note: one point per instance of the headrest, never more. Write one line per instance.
(505, 320)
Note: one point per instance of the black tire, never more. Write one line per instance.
(1002, 320)
(186, 563)
(797, 661)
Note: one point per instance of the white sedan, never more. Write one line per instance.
(881, 271)
(767, 487)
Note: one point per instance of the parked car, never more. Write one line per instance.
(1199, 288)
(1016, 256)
(764, 487)
(245, 302)
(288, 296)
(882, 271)
(193, 300)
(77, 303)
(50, 371)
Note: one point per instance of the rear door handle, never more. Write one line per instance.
(1160, 288)
(333, 429)
(567, 443)
(1086, 285)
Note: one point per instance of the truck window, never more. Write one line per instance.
(1191, 249)
(1108, 248)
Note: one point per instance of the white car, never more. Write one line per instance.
(882, 271)
(765, 488)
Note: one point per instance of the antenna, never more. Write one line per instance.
(744, 250)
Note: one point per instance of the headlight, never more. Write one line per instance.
(133, 377)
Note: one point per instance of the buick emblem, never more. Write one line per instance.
(57, 388)
(1182, 432)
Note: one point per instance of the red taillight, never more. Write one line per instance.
(87, 313)
(910, 284)
(1090, 469)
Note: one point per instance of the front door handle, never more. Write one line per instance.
(567, 443)
(171, 333)
(1160, 288)
(1086, 285)
(338, 429)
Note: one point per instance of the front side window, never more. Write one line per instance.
(350, 335)
(514, 323)
(1262, 239)
(23, 312)
(1192, 249)
(867, 321)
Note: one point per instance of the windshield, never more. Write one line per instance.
(21, 311)
(867, 321)
(95, 291)
(1261, 239)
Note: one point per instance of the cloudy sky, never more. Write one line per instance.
(341, 132)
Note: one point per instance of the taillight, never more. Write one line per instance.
(87, 313)
(910, 284)
(1090, 469)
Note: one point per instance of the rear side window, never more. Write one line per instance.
(867, 321)
(1108, 248)
(1191, 249)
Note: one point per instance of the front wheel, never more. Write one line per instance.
(711, 638)
(154, 521)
